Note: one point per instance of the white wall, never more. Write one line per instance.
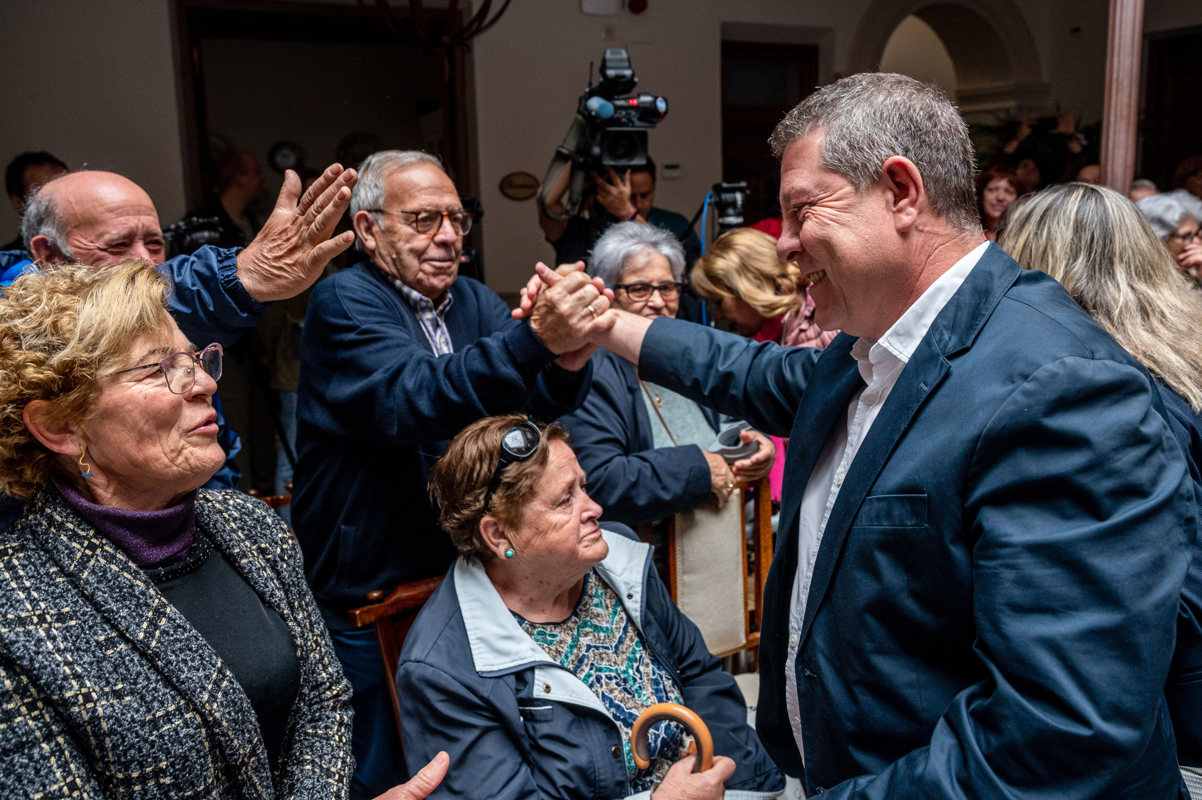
(531, 67)
(93, 83)
(916, 50)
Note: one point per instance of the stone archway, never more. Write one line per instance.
(998, 66)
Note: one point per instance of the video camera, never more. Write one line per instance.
(615, 120)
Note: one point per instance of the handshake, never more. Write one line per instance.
(569, 312)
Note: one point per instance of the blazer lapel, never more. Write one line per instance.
(131, 603)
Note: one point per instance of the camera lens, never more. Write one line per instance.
(623, 147)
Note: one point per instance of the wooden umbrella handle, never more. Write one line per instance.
(687, 717)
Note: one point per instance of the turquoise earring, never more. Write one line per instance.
(509, 552)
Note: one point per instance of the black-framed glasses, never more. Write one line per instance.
(518, 444)
(641, 292)
(179, 369)
(428, 220)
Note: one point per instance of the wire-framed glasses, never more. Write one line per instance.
(179, 369)
(428, 220)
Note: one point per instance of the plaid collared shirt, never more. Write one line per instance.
(432, 318)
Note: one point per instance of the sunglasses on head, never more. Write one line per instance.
(518, 444)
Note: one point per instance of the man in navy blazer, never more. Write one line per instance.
(986, 522)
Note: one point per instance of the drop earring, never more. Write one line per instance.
(85, 469)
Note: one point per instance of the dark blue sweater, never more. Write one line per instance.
(376, 409)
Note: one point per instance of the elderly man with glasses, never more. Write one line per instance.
(400, 353)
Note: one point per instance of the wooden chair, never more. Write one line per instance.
(755, 560)
(392, 617)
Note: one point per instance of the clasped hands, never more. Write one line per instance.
(568, 311)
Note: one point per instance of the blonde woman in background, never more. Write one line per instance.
(762, 296)
(1102, 250)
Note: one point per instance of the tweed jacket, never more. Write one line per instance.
(107, 691)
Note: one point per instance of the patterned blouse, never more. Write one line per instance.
(601, 646)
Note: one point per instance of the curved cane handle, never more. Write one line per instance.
(685, 716)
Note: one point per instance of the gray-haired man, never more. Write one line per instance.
(399, 353)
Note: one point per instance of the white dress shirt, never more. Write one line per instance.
(880, 364)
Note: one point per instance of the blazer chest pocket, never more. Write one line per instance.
(892, 511)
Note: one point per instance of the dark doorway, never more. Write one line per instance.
(760, 82)
(1172, 115)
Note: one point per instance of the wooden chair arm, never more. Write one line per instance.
(406, 597)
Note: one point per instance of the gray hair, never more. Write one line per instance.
(375, 169)
(1144, 183)
(872, 116)
(368, 194)
(42, 218)
(1164, 212)
(627, 239)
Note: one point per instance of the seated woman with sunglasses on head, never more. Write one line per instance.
(548, 638)
(156, 640)
(645, 448)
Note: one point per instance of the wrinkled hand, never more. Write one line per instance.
(759, 464)
(1190, 261)
(423, 784)
(681, 783)
(614, 194)
(530, 292)
(722, 480)
(294, 244)
(570, 311)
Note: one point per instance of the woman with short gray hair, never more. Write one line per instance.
(1175, 221)
(647, 450)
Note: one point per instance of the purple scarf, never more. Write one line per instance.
(147, 537)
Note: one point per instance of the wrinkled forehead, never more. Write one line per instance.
(802, 172)
(421, 186)
(103, 204)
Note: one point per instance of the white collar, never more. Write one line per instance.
(894, 349)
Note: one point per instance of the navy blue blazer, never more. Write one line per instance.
(376, 409)
(994, 600)
(611, 433)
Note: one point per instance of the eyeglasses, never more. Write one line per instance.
(1185, 236)
(641, 292)
(428, 220)
(518, 444)
(180, 368)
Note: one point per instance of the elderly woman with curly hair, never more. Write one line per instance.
(156, 639)
(548, 638)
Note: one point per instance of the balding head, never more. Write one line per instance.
(92, 217)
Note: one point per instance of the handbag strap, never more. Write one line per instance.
(658, 413)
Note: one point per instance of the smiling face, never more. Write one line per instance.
(426, 262)
(558, 538)
(108, 219)
(843, 241)
(145, 444)
(997, 198)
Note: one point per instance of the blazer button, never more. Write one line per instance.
(616, 752)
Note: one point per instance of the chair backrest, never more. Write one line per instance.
(392, 617)
(716, 576)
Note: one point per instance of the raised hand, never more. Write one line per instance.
(570, 311)
(529, 293)
(294, 244)
(423, 784)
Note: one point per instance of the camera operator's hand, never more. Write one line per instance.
(569, 312)
(614, 194)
